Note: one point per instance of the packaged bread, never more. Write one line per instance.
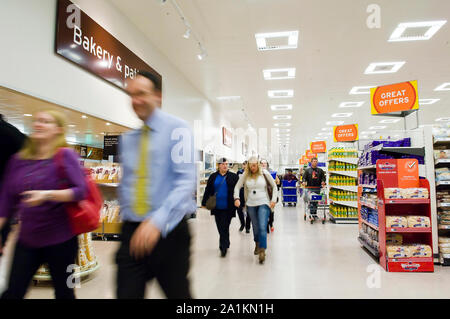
(420, 251)
(392, 193)
(414, 193)
(444, 240)
(398, 251)
(396, 222)
(394, 239)
(444, 250)
(418, 221)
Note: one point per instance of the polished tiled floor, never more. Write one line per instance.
(303, 261)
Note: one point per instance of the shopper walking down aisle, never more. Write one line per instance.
(260, 198)
(313, 179)
(220, 188)
(244, 216)
(265, 165)
(11, 141)
(32, 184)
(155, 196)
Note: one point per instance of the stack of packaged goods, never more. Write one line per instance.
(444, 245)
(370, 236)
(110, 212)
(396, 249)
(443, 204)
(342, 167)
(342, 152)
(406, 193)
(86, 256)
(368, 178)
(338, 211)
(407, 222)
(370, 215)
(342, 181)
(343, 196)
(368, 199)
(105, 174)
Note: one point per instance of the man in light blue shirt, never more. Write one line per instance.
(155, 194)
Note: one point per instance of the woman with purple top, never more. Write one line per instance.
(32, 188)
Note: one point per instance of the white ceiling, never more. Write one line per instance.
(335, 48)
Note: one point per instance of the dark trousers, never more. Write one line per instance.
(4, 233)
(271, 218)
(223, 220)
(247, 222)
(168, 263)
(28, 260)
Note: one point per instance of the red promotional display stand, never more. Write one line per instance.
(391, 176)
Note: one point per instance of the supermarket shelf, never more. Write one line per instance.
(408, 230)
(367, 167)
(353, 204)
(442, 162)
(373, 251)
(444, 227)
(412, 260)
(442, 141)
(346, 188)
(417, 151)
(349, 160)
(353, 174)
(369, 205)
(407, 201)
(337, 220)
(113, 185)
(443, 183)
(446, 256)
(368, 186)
(369, 224)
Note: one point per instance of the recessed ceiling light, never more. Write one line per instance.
(279, 74)
(84, 117)
(284, 130)
(443, 119)
(279, 94)
(325, 134)
(108, 124)
(384, 67)
(284, 107)
(342, 115)
(228, 98)
(282, 117)
(433, 27)
(102, 133)
(327, 129)
(335, 123)
(356, 90)
(351, 104)
(77, 132)
(443, 87)
(71, 125)
(377, 127)
(368, 132)
(28, 115)
(364, 137)
(275, 37)
(427, 101)
(282, 124)
(390, 121)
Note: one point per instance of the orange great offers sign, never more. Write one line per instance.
(346, 133)
(319, 147)
(394, 98)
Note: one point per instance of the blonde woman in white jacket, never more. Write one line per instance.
(257, 183)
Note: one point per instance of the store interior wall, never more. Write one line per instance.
(30, 65)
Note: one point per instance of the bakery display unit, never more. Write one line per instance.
(342, 183)
(86, 261)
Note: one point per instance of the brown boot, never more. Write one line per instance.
(256, 252)
(262, 255)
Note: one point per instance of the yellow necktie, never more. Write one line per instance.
(141, 205)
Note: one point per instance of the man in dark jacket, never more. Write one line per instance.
(313, 179)
(221, 184)
(11, 141)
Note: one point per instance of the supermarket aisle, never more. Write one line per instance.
(303, 261)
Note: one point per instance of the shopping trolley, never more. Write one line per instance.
(289, 192)
(315, 200)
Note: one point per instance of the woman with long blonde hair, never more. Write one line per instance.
(260, 197)
(33, 187)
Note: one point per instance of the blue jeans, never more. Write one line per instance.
(259, 216)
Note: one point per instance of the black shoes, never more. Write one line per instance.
(223, 252)
(242, 228)
(247, 231)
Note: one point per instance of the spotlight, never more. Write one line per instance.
(187, 34)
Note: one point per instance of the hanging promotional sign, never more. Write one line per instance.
(393, 98)
(319, 147)
(87, 44)
(310, 154)
(346, 133)
(401, 173)
(227, 137)
(305, 159)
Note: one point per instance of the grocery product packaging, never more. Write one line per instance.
(393, 193)
(418, 221)
(396, 222)
(397, 251)
(420, 251)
